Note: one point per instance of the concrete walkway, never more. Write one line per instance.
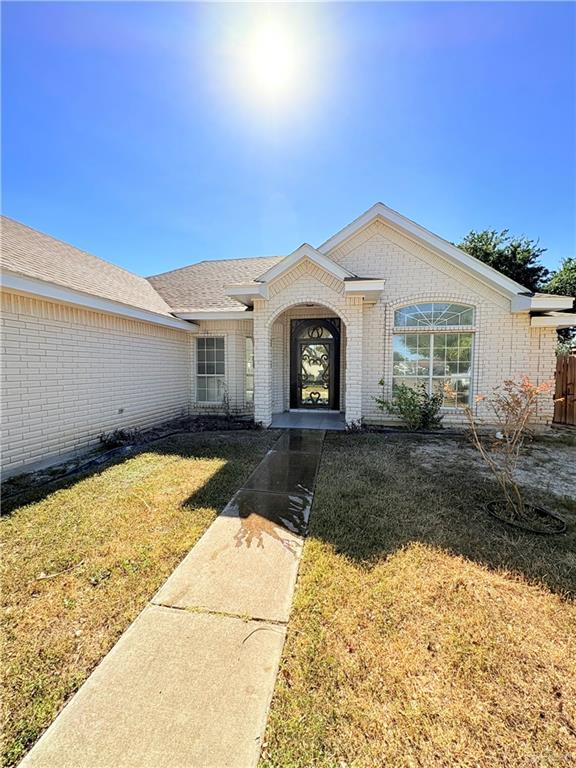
(189, 683)
(324, 420)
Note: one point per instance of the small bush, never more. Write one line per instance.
(120, 437)
(514, 405)
(417, 408)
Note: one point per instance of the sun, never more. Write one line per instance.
(269, 61)
(272, 65)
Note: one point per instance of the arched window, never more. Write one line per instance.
(431, 348)
(434, 315)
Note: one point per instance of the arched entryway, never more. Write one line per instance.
(273, 354)
(308, 355)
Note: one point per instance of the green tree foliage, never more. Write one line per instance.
(563, 281)
(516, 257)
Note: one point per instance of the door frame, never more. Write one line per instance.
(331, 324)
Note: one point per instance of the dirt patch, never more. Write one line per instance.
(544, 467)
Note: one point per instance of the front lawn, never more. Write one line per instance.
(423, 632)
(81, 558)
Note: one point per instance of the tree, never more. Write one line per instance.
(563, 280)
(516, 257)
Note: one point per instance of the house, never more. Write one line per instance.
(90, 347)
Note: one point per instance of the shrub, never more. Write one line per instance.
(120, 437)
(417, 408)
(514, 405)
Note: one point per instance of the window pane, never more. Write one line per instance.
(439, 361)
(201, 367)
(409, 381)
(434, 315)
(201, 388)
(219, 367)
(411, 355)
(249, 387)
(215, 389)
(463, 391)
(313, 331)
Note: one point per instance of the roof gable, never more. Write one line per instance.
(305, 251)
(422, 236)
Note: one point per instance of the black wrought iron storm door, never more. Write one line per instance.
(314, 364)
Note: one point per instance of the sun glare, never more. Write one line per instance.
(269, 62)
(271, 66)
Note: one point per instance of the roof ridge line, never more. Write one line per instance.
(211, 261)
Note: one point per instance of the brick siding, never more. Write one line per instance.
(69, 374)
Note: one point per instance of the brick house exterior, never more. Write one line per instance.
(89, 347)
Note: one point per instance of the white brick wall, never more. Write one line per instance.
(67, 373)
(504, 346)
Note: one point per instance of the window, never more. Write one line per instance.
(249, 370)
(436, 315)
(441, 360)
(210, 381)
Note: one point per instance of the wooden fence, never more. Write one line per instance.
(565, 394)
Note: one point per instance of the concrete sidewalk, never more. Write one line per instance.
(189, 683)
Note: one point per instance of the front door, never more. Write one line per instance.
(315, 364)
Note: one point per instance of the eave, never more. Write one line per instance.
(245, 293)
(31, 286)
(370, 289)
(553, 320)
(215, 314)
(549, 302)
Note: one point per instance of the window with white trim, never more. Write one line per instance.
(210, 381)
(433, 345)
(249, 393)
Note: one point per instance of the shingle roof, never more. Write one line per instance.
(34, 254)
(201, 286)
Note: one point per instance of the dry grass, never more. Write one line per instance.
(81, 559)
(423, 632)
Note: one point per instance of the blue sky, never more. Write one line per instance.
(133, 131)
